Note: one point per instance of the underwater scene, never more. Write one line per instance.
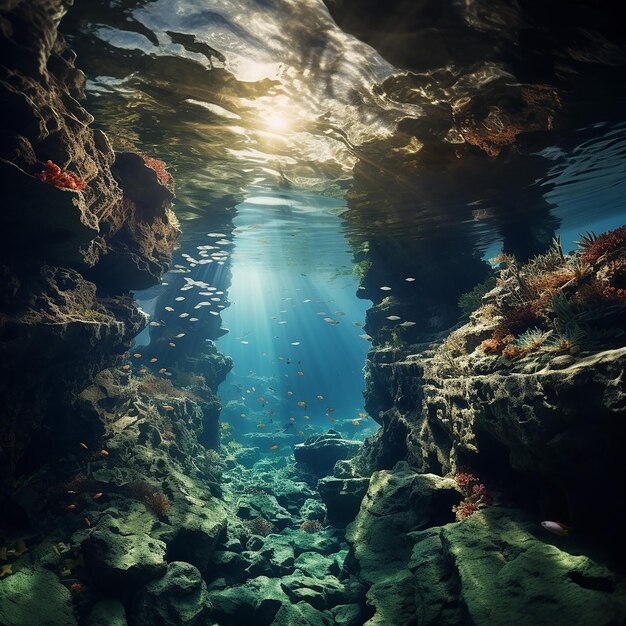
(313, 313)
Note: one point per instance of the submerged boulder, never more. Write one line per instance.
(342, 497)
(179, 597)
(318, 454)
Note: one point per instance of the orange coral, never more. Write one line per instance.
(165, 178)
(53, 174)
(261, 526)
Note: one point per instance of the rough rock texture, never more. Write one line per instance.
(531, 425)
(25, 593)
(342, 497)
(179, 597)
(67, 255)
(318, 454)
(531, 576)
(397, 503)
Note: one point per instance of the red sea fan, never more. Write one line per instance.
(53, 175)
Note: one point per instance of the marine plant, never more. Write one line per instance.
(311, 525)
(472, 300)
(260, 526)
(154, 500)
(476, 495)
(594, 247)
(54, 175)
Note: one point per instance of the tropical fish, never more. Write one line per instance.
(83, 445)
(329, 409)
(104, 453)
(306, 417)
(292, 419)
(169, 308)
(261, 399)
(143, 370)
(393, 318)
(98, 495)
(162, 370)
(295, 343)
(300, 432)
(171, 344)
(290, 393)
(331, 419)
(126, 367)
(300, 373)
(410, 279)
(168, 407)
(70, 507)
(357, 324)
(320, 397)
(301, 403)
(137, 355)
(362, 414)
(153, 360)
(261, 426)
(274, 447)
(556, 528)
(356, 422)
(179, 299)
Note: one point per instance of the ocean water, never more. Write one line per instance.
(335, 200)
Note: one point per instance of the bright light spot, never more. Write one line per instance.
(276, 121)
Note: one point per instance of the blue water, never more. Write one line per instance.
(296, 345)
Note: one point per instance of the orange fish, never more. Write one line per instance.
(290, 393)
(300, 373)
(329, 409)
(126, 367)
(356, 422)
(162, 370)
(87, 522)
(143, 370)
(137, 355)
(275, 447)
(153, 360)
(168, 407)
(261, 399)
(306, 417)
(301, 403)
(104, 453)
(261, 426)
(171, 344)
(70, 507)
(556, 528)
(98, 495)
(83, 445)
(362, 415)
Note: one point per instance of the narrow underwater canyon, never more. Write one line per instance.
(433, 191)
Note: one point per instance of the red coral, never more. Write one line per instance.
(311, 525)
(53, 174)
(604, 244)
(614, 293)
(476, 495)
(165, 178)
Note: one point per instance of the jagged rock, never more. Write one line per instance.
(397, 502)
(533, 577)
(301, 614)
(266, 506)
(107, 612)
(274, 559)
(35, 598)
(256, 601)
(179, 597)
(323, 541)
(313, 510)
(121, 555)
(342, 497)
(316, 565)
(320, 593)
(348, 614)
(320, 452)
(291, 494)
